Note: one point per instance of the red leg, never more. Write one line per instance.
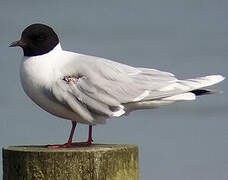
(90, 139)
(69, 143)
(72, 132)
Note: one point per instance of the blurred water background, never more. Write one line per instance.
(182, 141)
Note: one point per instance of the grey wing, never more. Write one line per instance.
(99, 89)
(122, 82)
(102, 88)
(90, 102)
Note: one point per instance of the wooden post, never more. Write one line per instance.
(97, 162)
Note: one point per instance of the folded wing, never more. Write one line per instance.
(103, 88)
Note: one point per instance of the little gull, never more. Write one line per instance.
(87, 89)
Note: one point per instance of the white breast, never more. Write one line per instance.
(37, 75)
(39, 71)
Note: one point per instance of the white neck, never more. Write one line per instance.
(57, 48)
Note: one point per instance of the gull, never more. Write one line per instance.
(89, 90)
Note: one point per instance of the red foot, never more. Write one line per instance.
(82, 144)
(70, 145)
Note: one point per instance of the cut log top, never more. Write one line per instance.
(92, 148)
(96, 162)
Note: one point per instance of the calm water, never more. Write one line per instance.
(187, 140)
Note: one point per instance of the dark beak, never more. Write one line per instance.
(17, 43)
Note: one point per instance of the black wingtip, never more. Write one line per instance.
(199, 92)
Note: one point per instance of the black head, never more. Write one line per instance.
(37, 39)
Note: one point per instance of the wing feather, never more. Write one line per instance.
(64, 96)
(103, 87)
